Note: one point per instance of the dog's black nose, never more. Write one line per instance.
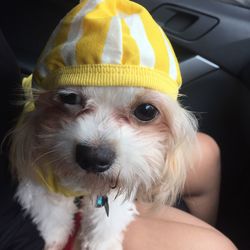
(94, 159)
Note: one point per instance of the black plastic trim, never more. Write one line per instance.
(227, 44)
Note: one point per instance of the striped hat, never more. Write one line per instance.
(108, 43)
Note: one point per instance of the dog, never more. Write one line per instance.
(110, 145)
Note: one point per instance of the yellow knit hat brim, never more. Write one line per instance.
(103, 75)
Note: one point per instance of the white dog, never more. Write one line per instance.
(125, 143)
(110, 144)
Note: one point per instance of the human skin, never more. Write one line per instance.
(202, 186)
(170, 228)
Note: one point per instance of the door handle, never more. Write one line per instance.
(183, 23)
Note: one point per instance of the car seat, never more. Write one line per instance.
(221, 103)
(16, 230)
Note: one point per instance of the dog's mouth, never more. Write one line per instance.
(101, 182)
(112, 182)
(115, 182)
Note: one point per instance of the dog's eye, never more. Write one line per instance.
(70, 98)
(145, 112)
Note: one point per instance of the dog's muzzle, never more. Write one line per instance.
(94, 159)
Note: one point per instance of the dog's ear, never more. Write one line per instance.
(22, 137)
(181, 145)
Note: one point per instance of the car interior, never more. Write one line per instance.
(212, 42)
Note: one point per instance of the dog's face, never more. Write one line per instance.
(98, 138)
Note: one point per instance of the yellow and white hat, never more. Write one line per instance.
(108, 43)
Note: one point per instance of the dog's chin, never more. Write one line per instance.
(101, 183)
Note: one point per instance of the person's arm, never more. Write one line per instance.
(172, 229)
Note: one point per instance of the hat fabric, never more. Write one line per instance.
(108, 43)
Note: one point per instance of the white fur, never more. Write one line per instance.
(150, 164)
(52, 213)
(102, 232)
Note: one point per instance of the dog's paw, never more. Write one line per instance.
(114, 246)
(56, 241)
(54, 246)
(107, 245)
